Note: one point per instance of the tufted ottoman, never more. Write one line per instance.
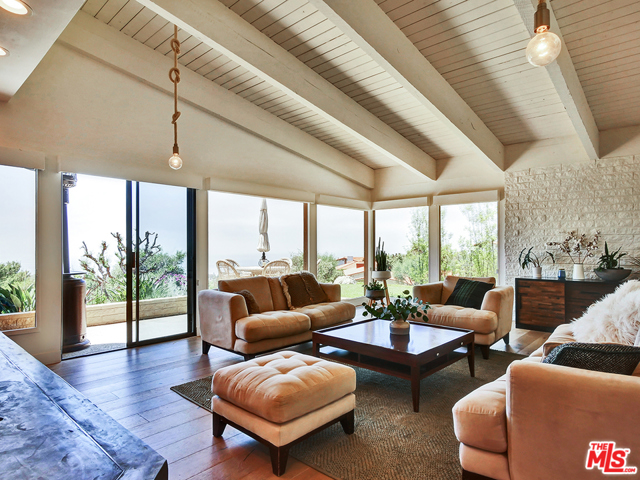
(283, 398)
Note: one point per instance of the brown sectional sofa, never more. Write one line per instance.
(536, 421)
(225, 321)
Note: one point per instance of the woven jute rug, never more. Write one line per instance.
(390, 442)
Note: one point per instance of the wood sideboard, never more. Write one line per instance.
(545, 303)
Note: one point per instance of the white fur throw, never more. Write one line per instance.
(615, 318)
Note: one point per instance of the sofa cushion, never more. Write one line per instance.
(250, 300)
(315, 291)
(469, 293)
(607, 358)
(480, 418)
(272, 325)
(295, 291)
(284, 385)
(450, 282)
(326, 314)
(480, 321)
(258, 286)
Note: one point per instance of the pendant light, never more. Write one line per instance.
(545, 47)
(175, 161)
(16, 6)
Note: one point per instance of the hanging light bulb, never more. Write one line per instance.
(175, 161)
(545, 47)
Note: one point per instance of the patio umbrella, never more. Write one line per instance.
(263, 227)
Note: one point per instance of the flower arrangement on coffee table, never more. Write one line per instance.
(399, 310)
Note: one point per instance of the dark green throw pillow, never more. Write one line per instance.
(469, 293)
(599, 357)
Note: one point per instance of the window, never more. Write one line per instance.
(234, 234)
(469, 240)
(18, 248)
(405, 233)
(341, 249)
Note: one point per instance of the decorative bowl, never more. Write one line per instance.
(613, 274)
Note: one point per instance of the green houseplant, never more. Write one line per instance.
(399, 310)
(609, 268)
(16, 299)
(381, 271)
(375, 290)
(534, 260)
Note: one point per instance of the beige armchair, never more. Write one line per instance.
(491, 323)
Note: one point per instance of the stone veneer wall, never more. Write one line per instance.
(542, 204)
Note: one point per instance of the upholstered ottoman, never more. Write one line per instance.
(283, 398)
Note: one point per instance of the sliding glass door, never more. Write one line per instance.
(160, 262)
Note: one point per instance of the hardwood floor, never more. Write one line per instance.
(133, 387)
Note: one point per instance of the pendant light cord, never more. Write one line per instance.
(174, 75)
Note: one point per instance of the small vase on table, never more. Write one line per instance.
(578, 271)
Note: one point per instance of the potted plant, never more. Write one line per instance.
(578, 248)
(609, 268)
(374, 291)
(531, 259)
(381, 271)
(399, 311)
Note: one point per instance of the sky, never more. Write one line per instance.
(18, 228)
(234, 234)
(97, 208)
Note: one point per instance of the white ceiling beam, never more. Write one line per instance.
(107, 45)
(563, 75)
(222, 29)
(364, 22)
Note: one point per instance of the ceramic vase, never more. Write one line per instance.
(537, 272)
(578, 271)
(399, 327)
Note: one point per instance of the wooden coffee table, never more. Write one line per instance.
(368, 344)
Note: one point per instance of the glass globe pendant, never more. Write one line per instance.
(175, 161)
(545, 47)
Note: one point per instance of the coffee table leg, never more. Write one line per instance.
(316, 349)
(415, 388)
(472, 358)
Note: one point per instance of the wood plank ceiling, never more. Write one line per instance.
(476, 45)
(304, 32)
(603, 38)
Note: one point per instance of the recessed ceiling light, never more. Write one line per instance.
(4, 52)
(16, 6)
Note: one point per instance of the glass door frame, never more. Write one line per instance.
(133, 264)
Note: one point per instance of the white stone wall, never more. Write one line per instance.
(542, 204)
